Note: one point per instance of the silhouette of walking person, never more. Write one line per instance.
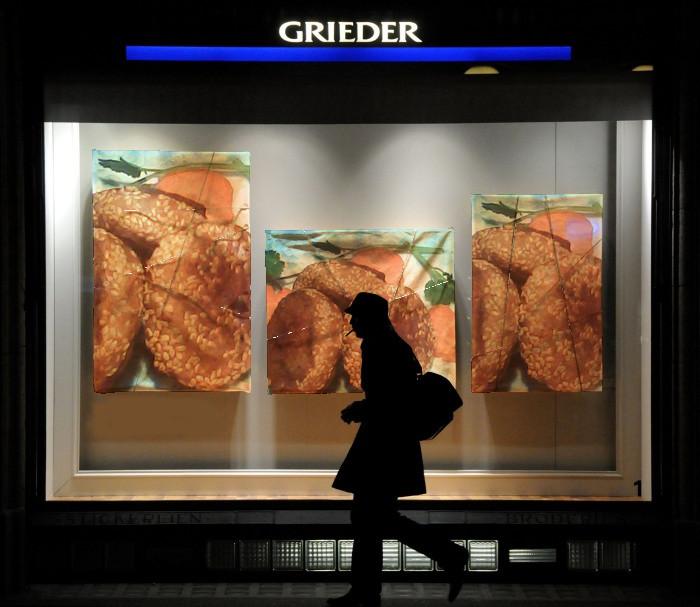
(385, 461)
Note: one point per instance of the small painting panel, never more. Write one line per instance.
(313, 276)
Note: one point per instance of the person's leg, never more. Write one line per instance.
(367, 548)
(365, 574)
(427, 540)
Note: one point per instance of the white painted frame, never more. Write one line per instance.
(65, 480)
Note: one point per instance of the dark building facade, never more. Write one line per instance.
(55, 68)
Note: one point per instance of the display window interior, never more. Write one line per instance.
(405, 207)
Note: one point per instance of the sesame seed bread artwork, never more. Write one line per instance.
(171, 264)
(118, 305)
(537, 293)
(312, 277)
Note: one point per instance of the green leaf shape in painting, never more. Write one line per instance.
(274, 266)
(595, 208)
(236, 165)
(328, 247)
(500, 209)
(440, 289)
(122, 166)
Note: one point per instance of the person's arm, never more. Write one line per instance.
(355, 412)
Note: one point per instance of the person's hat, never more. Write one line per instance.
(369, 305)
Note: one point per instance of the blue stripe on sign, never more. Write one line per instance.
(331, 54)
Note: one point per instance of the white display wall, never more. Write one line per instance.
(256, 445)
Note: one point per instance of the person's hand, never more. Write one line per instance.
(354, 412)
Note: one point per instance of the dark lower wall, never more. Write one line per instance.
(613, 543)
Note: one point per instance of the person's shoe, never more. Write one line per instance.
(350, 599)
(455, 574)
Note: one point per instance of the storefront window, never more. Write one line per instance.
(356, 176)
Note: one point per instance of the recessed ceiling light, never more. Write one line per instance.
(479, 70)
(643, 68)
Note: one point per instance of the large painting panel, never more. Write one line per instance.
(537, 293)
(171, 253)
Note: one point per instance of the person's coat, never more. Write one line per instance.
(385, 457)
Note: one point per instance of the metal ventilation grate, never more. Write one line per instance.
(532, 555)
(582, 555)
(344, 555)
(391, 555)
(254, 555)
(483, 555)
(615, 556)
(288, 555)
(461, 543)
(415, 561)
(221, 554)
(320, 555)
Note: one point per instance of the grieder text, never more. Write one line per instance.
(349, 31)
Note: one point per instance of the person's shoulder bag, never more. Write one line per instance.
(435, 402)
